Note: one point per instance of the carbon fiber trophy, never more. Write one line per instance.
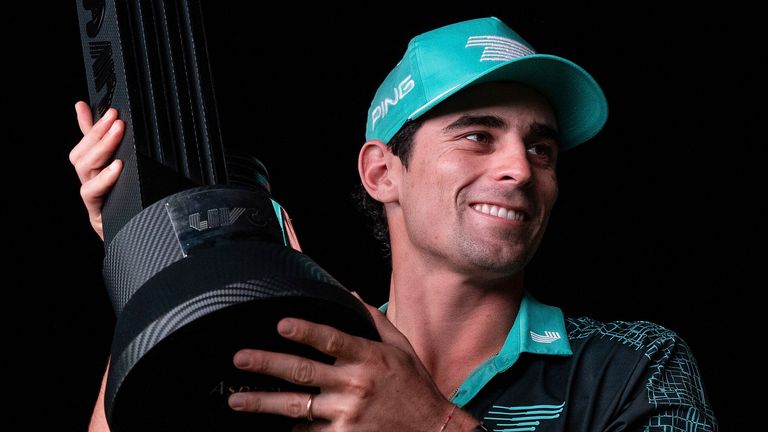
(200, 261)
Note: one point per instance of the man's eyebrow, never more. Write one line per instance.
(542, 131)
(489, 121)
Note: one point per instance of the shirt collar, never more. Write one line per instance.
(538, 329)
(541, 329)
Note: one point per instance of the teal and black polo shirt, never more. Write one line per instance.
(581, 375)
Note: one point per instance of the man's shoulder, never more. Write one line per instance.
(643, 337)
(650, 366)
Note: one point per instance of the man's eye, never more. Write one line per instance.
(479, 137)
(541, 150)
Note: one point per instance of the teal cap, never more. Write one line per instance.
(442, 62)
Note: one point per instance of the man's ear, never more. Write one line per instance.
(379, 170)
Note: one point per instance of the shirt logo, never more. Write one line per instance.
(497, 48)
(548, 337)
(520, 418)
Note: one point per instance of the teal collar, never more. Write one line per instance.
(538, 329)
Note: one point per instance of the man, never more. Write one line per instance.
(462, 143)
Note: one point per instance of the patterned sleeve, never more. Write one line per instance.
(670, 396)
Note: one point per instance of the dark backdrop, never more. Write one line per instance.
(658, 217)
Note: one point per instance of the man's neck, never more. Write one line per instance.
(454, 323)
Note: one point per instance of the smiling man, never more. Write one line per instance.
(459, 172)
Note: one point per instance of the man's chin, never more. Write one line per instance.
(498, 257)
(499, 265)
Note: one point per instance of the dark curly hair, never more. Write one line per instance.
(401, 145)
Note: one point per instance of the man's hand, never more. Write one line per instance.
(372, 386)
(91, 156)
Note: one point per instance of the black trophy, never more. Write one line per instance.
(200, 261)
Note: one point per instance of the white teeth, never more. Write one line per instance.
(501, 212)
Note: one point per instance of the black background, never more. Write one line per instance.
(658, 217)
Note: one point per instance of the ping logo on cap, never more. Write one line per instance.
(398, 93)
(498, 48)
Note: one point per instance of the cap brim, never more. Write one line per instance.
(578, 101)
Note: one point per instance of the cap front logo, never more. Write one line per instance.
(498, 48)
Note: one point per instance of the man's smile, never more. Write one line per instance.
(507, 213)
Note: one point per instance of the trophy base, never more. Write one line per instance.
(183, 383)
(194, 278)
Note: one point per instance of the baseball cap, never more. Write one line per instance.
(442, 62)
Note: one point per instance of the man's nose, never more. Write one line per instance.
(512, 163)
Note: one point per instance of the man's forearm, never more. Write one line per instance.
(99, 417)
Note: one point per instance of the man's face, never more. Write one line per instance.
(480, 182)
